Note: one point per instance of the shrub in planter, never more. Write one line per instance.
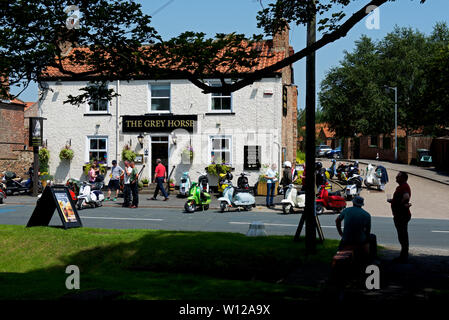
(102, 167)
(44, 158)
(216, 169)
(66, 153)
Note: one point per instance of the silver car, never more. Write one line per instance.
(321, 150)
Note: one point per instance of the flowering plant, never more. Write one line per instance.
(66, 153)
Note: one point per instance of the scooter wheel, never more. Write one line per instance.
(190, 206)
(287, 208)
(223, 206)
(248, 208)
(319, 209)
(1, 200)
(206, 207)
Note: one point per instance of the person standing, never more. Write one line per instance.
(270, 175)
(92, 173)
(133, 181)
(294, 171)
(400, 207)
(127, 187)
(114, 183)
(160, 176)
(286, 176)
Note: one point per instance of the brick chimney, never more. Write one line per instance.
(281, 40)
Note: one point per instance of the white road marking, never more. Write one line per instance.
(109, 218)
(440, 231)
(278, 224)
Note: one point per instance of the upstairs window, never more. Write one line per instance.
(220, 101)
(98, 102)
(160, 97)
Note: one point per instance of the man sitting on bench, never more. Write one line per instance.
(356, 235)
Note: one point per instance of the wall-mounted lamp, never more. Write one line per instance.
(140, 138)
(174, 139)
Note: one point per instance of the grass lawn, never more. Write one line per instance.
(153, 264)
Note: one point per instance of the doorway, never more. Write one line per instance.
(159, 150)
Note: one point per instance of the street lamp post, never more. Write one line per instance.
(395, 121)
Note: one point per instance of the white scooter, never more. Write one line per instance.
(373, 178)
(354, 187)
(90, 195)
(184, 186)
(293, 199)
(236, 198)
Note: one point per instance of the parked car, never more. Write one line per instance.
(334, 153)
(423, 157)
(321, 150)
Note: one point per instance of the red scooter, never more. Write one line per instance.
(329, 200)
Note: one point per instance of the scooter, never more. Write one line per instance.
(184, 187)
(329, 200)
(236, 198)
(373, 178)
(2, 193)
(354, 187)
(223, 181)
(293, 199)
(332, 170)
(203, 181)
(90, 195)
(14, 184)
(197, 199)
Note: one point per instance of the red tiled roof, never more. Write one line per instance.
(268, 57)
(318, 127)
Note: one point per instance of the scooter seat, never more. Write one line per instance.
(242, 190)
(336, 193)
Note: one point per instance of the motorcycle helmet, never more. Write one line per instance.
(318, 166)
(287, 164)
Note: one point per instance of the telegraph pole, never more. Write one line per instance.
(309, 210)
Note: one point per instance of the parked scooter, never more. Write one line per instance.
(376, 177)
(236, 198)
(14, 184)
(2, 193)
(184, 186)
(329, 200)
(223, 181)
(332, 170)
(90, 195)
(203, 181)
(293, 199)
(197, 199)
(354, 187)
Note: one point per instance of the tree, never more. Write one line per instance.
(353, 95)
(117, 41)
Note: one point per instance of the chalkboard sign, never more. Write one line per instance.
(251, 156)
(55, 197)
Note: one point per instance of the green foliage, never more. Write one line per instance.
(102, 167)
(44, 158)
(66, 153)
(128, 154)
(216, 169)
(145, 181)
(354, 96)
(46, 177)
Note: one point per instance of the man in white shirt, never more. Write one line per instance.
(271, 184)
(127, 186)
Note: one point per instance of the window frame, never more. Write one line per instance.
(210, 149)
(88, 150)
(108, 105)
(211, 97)
(150, 84)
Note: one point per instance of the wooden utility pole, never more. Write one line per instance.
(309, 210)
(35, 171)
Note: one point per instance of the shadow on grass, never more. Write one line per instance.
(176, 265)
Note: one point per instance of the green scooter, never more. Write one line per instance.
(197, 199)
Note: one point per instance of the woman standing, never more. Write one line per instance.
(270, 175)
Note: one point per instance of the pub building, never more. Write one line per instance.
(172, 119)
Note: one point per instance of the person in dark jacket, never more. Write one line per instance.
(286, 176)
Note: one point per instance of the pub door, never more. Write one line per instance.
(159, 150)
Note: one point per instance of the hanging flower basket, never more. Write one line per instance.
(66, 153)
(187, 155)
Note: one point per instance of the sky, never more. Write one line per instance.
(172, 17)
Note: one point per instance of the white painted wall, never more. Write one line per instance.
(255, 112)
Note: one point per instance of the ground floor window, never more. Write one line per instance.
(97, 149)
(220, 149)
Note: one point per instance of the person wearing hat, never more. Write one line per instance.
(357, 227)
(114, 183)
(286, 176)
